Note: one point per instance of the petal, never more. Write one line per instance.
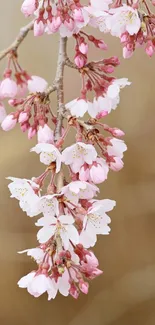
(45, 234)
(66, 219)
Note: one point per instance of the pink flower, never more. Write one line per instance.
(83, 48)
(80, 60)
(31, 132)
(96, 173)
(90, 266)
(99, 171)
(149, 48)
(23, 117)
(37, 84)
(28, 7)
(2, 112)
(8, 88)
(38, 28)
(45, 134)
(9, 122)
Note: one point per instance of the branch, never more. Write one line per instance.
(60, 87)
(14, 46)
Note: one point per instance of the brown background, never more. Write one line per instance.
(125, 294)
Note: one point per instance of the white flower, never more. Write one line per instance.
(96, 222)
(32, 204)
(78, 107)
(114, 89)
(123, 19)
(79, 190)
(36, 253)
(37, 284)
(61, 226)
(23, 191)
(117, 148)
(37, 84)
(48, 154)
(78, 154)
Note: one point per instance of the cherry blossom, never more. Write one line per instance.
(45, 134)
(48, 154)
(96, 172)
(63, 196)
(123, 19)
(79, 190)
(96, 222)
(62, 226)
(78, 154)
(37, 84)
(28, 7)
(37, 284)
(36, 253)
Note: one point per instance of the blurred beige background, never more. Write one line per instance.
(125, 294)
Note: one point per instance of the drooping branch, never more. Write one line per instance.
(14, 46)
(60, 86)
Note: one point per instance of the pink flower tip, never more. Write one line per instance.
(9, 122)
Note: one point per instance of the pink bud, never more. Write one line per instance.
(23, 117)
(84, 174)
(124, 38)
(38, 28)
(83, 48)
(149, 48)
(25, 126)
(101, 115)
(74, 292)
(69, 24)
(45, 134)
(115, 132)
(9, 122)
(55, 24)
(31, 132)
(126, 53)
(99, 171)
(8, 88)
(2, 112)
(84, 286)
(78, 16)
(80, 61)
(28, 7)
(101, 45)
(15, 102)
(37, 84)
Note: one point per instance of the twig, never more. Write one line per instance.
(59, 85)
(14, 46)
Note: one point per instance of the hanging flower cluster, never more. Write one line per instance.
(64, 196)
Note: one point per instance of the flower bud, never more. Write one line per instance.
(9, 122)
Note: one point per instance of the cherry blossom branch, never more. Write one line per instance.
(14, 46)
(59, 86)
